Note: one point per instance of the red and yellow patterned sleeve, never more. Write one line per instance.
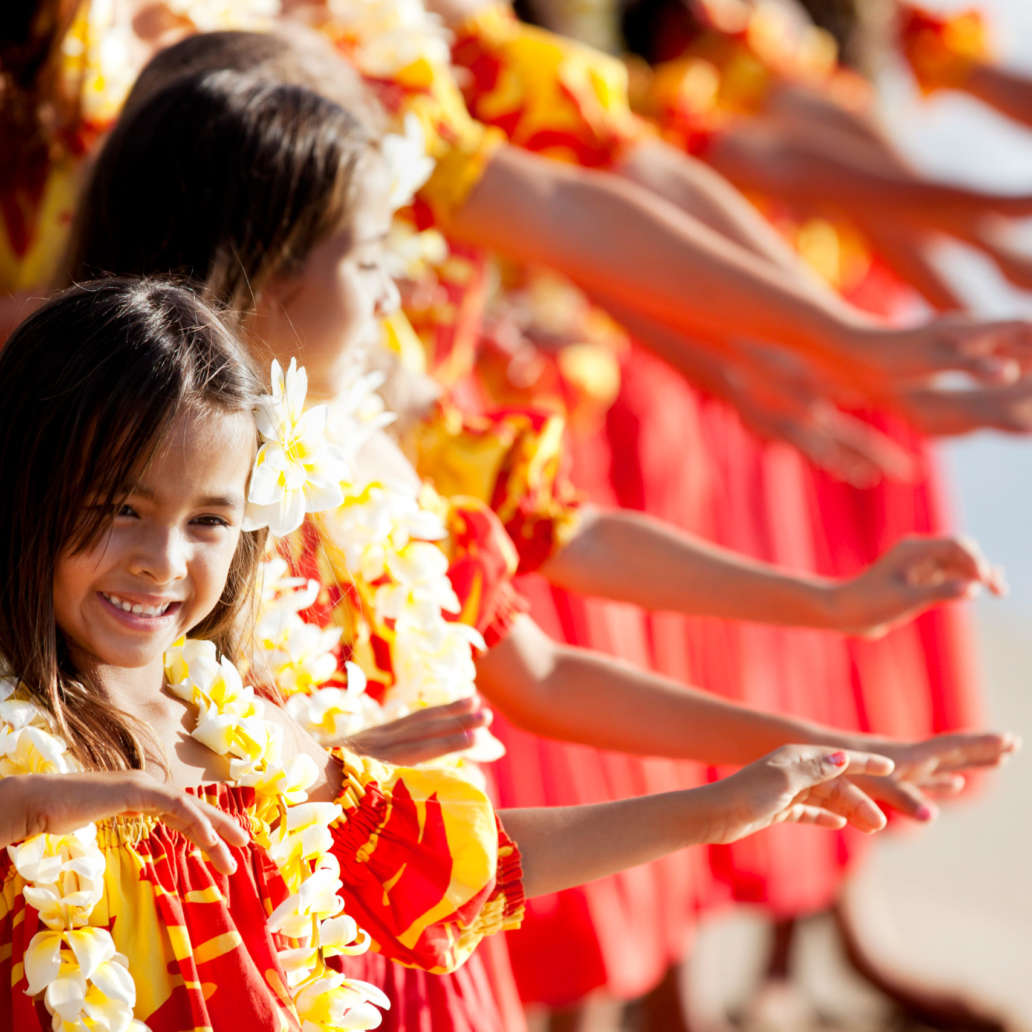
(460, 145)
(512, 460)
(482, 563)
(547, 94)
(428, 871)
(942, 49)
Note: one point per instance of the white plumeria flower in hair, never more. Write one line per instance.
(297, 469)
(408, 165)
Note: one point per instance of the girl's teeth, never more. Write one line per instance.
(135, 608)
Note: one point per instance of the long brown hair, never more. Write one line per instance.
(89, 385)
(221, 178)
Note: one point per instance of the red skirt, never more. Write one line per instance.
(479, 997)
(620, 934)
(687, 459)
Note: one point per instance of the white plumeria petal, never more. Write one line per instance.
(92, 947)
(42, 960)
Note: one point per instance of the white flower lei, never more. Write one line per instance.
(385, 540)
(86, 983)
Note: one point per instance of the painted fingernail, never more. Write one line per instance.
(836, 759)
(924, 813)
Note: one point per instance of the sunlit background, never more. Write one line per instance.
(953, 903)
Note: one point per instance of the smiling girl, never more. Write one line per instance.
(276, 201)
(180, 851)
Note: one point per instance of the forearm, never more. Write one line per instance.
(704, 194)
(575, 695)
(848, 178)
(624, 244)
(563, 846)
(1009, 92)
(663, 568)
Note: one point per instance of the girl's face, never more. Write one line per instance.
(335, 304)
(162, 565)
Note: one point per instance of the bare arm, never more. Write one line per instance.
(565, 846)
(705, 195)
(623, 242)
(662, 567)
(850, 177)
(630, 248)
(576, 695)
(1008, 91)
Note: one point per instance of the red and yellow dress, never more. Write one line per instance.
(479, 996)
(426, 869)
(760, 498)
(615, 932)
(623, 932)
(919, 680)
(36, 210)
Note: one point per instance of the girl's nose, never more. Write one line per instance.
(160, 557)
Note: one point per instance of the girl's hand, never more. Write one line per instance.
(424, 735)
(915, 574)
(946, 412)
(933, 769)
(991, 351)
(802, 784)
(57, 804)
(779, 397)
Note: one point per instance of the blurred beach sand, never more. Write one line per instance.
(951, 903)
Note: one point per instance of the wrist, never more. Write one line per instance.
(820, 602)
(716, 807)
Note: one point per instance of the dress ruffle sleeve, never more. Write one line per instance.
(481, 566)
(547, 94)
(510, 459)
(427, 868)
(460, 146)
(942, 49)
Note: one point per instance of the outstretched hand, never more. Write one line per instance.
(933, 769)
(800, 784)
(59, 803)
(781, 398)
(946, 412)
(914, 575)
(423, 735)
(992, 351)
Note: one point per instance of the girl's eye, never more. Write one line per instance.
(124, 510)
(211, 521)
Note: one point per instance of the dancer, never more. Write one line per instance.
(297, 268)
(112, 916)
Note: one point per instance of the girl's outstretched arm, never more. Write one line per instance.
(566, 846)
(627, 246)
(572, 694)
(663, 568)
(31, 804)
(1009, 92)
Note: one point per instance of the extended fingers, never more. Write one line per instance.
(958, 752)
(993, 351)
(850, 802)
(929, 559)
(809, 765)
(208, 828)
(803, 813)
